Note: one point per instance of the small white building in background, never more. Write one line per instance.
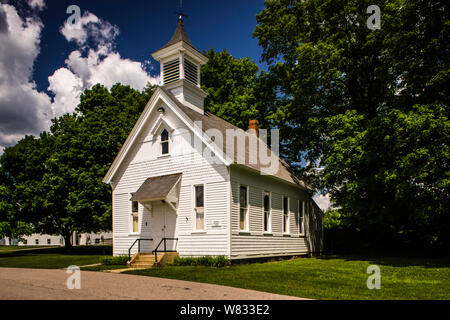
(37, 239)
(175, 184)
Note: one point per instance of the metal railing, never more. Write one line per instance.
(139, 246)
(163, 240)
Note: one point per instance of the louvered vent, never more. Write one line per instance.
(190, 71)
(171, 71)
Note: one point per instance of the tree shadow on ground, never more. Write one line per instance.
(78, 250)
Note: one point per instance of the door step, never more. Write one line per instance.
(147, 259)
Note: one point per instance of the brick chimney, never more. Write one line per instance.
(253, 124)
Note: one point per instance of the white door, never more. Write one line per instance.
(164, 222)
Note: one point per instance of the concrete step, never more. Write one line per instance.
(141, 265)
(147, 258)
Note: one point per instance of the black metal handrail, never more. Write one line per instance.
(155, 252)
(139, 246)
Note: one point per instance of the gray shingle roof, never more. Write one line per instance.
(179, 35)
(156, 187)
(211, 121)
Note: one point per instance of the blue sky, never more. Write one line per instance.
(45, 64)
(145, 26)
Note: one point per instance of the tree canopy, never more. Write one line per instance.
(367, 110)
(238, 91)
(54, 182)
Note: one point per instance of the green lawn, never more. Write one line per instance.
(52, 258)
(327, 277)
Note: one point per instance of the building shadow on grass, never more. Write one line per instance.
(394, 261)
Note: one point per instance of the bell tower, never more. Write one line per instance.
(180, 68)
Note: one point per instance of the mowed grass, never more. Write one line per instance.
(327, 277)
(52, 258)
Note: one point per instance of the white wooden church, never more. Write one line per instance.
(169, 195)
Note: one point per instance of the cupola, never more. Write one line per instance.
(180, 68)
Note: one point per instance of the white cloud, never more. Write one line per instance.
(67, 88)
(323, 201)
(90, 27)
(25, 110)
(95, 61)
(37, 4)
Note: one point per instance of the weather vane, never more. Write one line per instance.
(180, 13)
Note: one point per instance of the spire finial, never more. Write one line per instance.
(180, 12)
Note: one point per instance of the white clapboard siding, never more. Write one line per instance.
(200, 244)
(247, 246)
(255, 243)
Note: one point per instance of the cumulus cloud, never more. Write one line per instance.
(24, 109)
(67, 88)
(89, 27)
(3, 22)
(94, 61)
(37, 4)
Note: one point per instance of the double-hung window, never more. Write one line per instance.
(243, 208)
(285, 215)
(266, 200)
(199, 208)
(164, 142)
(134, 216)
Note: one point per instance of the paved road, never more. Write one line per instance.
(20, 283)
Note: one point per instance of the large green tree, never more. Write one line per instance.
(367, 110)
(55, 182)
(238, 91)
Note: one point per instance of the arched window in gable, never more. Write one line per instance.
(164, 142)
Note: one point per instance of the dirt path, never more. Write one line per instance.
(43, 284)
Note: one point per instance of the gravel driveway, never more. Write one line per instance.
(43, 284)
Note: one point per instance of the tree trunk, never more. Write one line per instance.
(67, 242)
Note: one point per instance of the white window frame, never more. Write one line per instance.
(283, 216)
(161, 142)
(195, 208)
(246, 229)
(269, 220)
(131, 217)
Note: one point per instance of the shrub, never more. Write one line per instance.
(117, 260)
(208, 261)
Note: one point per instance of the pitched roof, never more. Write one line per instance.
(156, 187)
(179, 35)
(211, 121)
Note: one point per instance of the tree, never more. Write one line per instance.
(57, 179)
(367, 111)
(238, 91)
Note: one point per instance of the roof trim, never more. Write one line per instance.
(173, 179)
